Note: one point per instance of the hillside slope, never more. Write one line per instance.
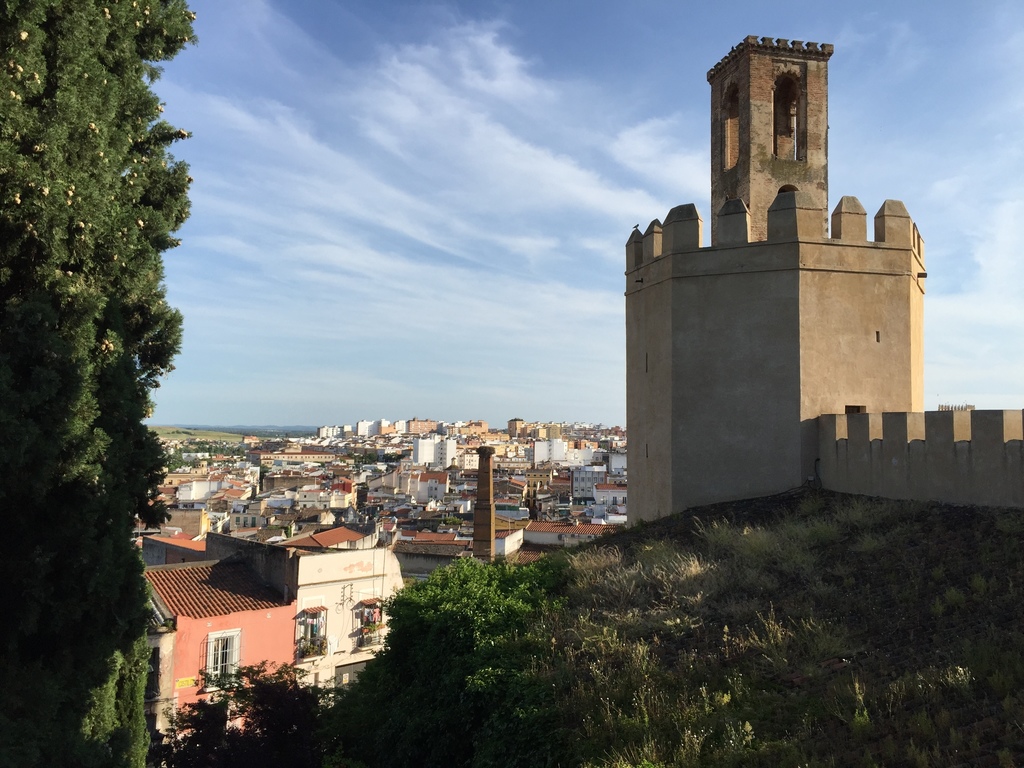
(804, 629)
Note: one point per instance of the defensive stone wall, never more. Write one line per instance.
(960, 457)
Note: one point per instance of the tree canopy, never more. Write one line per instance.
(281, 719)
(455, 684)
(89, 200)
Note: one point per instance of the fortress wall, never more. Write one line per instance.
(960, 457)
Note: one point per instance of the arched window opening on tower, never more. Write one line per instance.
(790, 132)
(731, 128)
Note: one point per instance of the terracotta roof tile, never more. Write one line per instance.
(201, 590)
(431, 536)
(530, 553)
(183, 541)
(326, 538)
(537, 526)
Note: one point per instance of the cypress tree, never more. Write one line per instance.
(89, 200)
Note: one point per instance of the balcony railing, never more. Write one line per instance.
(306, 647)
(370, 634)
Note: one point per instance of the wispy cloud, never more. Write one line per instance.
(436, 225)
(429, 232)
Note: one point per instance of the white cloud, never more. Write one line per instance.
(441, 223)
(653, 151)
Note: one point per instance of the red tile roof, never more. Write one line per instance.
(202, 590)
(431, 536)
(530, 553)
(327, 538)
(537, 526)
(183, 541)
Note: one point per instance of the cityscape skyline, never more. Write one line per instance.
(422, 209)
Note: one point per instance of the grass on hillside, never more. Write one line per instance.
(184, 433)
(802, 630)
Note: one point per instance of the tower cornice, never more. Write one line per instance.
(776, 45)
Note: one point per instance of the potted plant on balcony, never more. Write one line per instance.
(312, 646)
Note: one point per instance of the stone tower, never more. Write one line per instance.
(734, 350)
(769, 126)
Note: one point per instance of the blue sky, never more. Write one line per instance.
(411, 209)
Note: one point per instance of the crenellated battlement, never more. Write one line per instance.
(774, 45)
(961, 457)
(792, 217)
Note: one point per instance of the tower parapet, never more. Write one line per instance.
(771, 45)
(792, 216)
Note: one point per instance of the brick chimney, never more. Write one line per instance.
(483, 511)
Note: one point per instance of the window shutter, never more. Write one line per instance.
(236, 652)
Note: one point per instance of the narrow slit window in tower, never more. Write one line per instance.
(788, 141)
(731, 128)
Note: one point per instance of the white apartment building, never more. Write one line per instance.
(445, 453)
(553, 451)
(424, 450)
(584, 479)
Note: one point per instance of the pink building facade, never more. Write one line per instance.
(211, 618)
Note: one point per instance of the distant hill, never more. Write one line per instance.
(208, 432)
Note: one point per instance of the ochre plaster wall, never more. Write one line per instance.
(764, 336)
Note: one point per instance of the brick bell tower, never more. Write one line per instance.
(769, 127)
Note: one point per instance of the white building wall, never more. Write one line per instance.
(555, 451)
(445, 453)
(506, 545)
(424, 451)
(339, 581)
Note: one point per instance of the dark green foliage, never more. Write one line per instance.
(89, 197)
(455, 684)
(280, 719)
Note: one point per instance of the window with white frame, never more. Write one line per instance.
(223, 650)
